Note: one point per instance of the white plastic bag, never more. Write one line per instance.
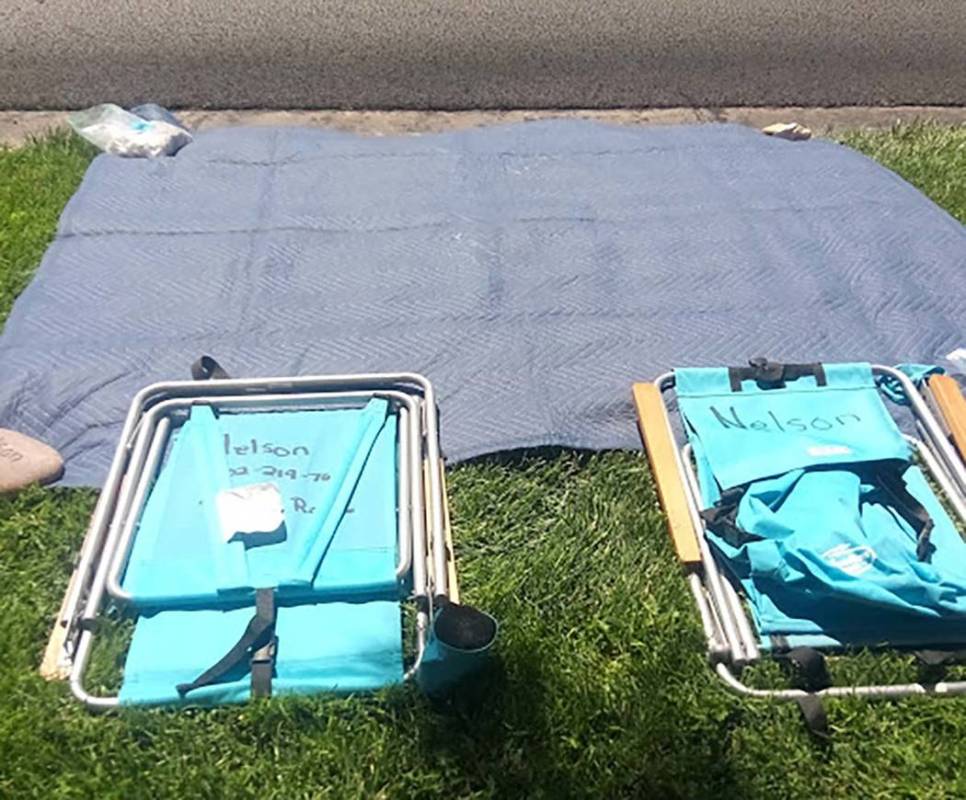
(114, 130)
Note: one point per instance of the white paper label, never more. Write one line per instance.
(247, 510)
(829, 450)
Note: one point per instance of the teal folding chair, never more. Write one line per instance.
(317, 604)
(809, 521)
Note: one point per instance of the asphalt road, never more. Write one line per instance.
(481, 53)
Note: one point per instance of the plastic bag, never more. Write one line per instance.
(114, 130)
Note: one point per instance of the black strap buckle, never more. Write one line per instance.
(263, 668)
(722, 517)
(266, 654)
(773, 374)
(207, 368)
(258, 644)
(766, 371)
(810, 673)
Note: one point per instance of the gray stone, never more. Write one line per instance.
(24, 461)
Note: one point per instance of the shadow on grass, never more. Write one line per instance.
(502, 734)
(530, 456)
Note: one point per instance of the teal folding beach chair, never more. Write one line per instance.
(809, 520)
(273, 537)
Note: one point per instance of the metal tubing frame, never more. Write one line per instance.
(746, 635)
(104, 510)
(718, 608)
(156, 392)
(122, 489)
(934, 432)
(157, 418)
(361, 381)
(712, 578)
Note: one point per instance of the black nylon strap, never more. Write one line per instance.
(811, 675)
(722, 518)
(206, 369)
(933, 663)
(813, 713)
(810, 670)
(940, 658)
(259, 634)
(773, 375)
(887, 475)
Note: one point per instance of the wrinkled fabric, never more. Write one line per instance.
(824, 549)
(531, 271)
(336, 472)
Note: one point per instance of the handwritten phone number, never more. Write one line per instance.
(269, 471)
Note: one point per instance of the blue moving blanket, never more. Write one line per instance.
(531, 271)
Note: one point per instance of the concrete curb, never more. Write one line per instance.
(17, 126)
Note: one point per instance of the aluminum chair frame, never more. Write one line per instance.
(426, 559)
(728, 628)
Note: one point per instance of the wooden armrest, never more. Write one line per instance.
(655, 430)
(454, 585)
(52, 667)
(451, 575)
(951, 405)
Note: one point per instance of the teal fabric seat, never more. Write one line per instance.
(322, 647)
(815, 506)
(336, 471)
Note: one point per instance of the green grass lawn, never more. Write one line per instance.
(601, 688)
